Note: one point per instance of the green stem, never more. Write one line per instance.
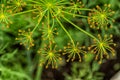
(29, 60)
(48, 26)
(23, 12)
(53, 24)
(35, 27)
(103, 31)
(39, 68)
(80, 29)
(74, 14)
(66, 31)
(39, 73)
(83, 9)
(34, 1)
(41, 17)
(28, 53)
(62, 2)
(48, 19)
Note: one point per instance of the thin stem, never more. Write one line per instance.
(83, 9)
(48, 25)
(39, 68)
(53, 21)
(62, 2)
(23, 12)
(39, 20)
(29, 61)
(103, 31)
(35, 27)
(80, 29)
(48, 19)
(74, 14)
(34, 1)
(66, 31)
(39, 72)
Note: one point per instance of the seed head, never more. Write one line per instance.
(25, 38)
(75, 7)
(50, 56)
(103, 47)
(73, 52)
(16, 5)
(48, 32)
(5, 14)
(100, 18)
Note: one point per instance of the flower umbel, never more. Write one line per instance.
(50, 56)
(103, 47)
(100, 18)
(73, 52)
(75, 7)
(16, 5)
(26, 38)
(48, 32)
(5, 14)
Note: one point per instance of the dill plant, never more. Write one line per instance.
(47, 11)
(46, 15)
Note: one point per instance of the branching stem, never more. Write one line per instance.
(80, 29)
(66, 31)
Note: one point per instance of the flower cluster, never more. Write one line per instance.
(100, 18)
(39, 13)
(25, 38)
(73, 51)
(49, 56)
(75, 7)
(16, 5)
(50, 14)
(5, 14)
(103, 47)
(48, 33)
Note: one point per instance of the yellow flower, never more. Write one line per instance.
(75, 7)
(48, 32)
(5, 14)
(100, 18)
(103, 47)
(73, 52)
(25, 38)
(16, 5)
(49, 56)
